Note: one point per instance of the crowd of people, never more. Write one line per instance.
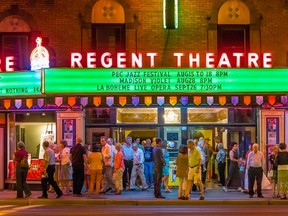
(109, 167)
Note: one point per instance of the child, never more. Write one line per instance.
(118, 169)
(182, 170)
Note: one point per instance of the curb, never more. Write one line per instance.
(130, 202)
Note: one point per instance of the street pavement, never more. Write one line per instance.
(214, 195)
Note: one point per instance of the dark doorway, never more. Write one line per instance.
(234, 39)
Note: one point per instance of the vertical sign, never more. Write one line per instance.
(69, 131)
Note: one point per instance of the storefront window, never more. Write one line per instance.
(98, 115)
(137, 115)
(33, 129)
(207, 115)
(172, 116)
(244, 115)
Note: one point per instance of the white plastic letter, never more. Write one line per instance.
(9, 63)
(194, 60)
(238, 58)
(91, 60)
(76, 60)
(121, 60)
(210, 60)
(224, 60)
(267, 60)
(252, 59)
(136, 60)
(106, 58)
(178, 59)
(152, 60)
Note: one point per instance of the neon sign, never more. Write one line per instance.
(40, 56)
(165, 80)
(107, 60)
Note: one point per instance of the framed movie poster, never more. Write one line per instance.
(69, 131)
(272, 130)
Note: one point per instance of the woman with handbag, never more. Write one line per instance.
(272, 174)
(21, 167)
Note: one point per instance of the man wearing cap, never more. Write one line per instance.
(194, 173)
(138, 167)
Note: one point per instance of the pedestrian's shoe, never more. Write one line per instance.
(42, 197)
(260, 196)
(59, 195)
(144, 188)
(225, 189)
(118, 193)
(240, 189)
(28, 195)
(168, 191)
(160, 197)
(180, 198)
(283, 198)
(108, 189)
(201, 198)
(185, 198)
(250, 196)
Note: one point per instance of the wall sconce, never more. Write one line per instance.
(170, 14)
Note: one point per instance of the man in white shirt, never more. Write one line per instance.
(113, 150)
(48, 174)
(108, 183)
(128, 161)
(255, 167)
(138, 167)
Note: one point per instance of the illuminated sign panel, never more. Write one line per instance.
(176, 80)
(39, 56)
(20, 83)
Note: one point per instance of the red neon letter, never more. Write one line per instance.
(267, 60)
(76, 60)
(210, 60)
(91, 60)
(136, 60)
(178, 56)
(252, 59)
(196, 60)
(121, 60)
(238, 56)
(10, 63)
(152, 60)
(109, 60)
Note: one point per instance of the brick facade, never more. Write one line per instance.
(67, 24)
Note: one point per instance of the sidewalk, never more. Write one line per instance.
(213, 196)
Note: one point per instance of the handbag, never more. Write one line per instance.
(270, 174)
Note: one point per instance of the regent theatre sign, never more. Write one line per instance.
(124, 73)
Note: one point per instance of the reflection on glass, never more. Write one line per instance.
(207, 115)
(172, 116)
(137, 115)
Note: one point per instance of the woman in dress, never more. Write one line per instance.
(282, 164)
(273, 168)
(182, 170)
(165, 172)
(65, 167)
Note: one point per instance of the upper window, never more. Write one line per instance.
(14, 41)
